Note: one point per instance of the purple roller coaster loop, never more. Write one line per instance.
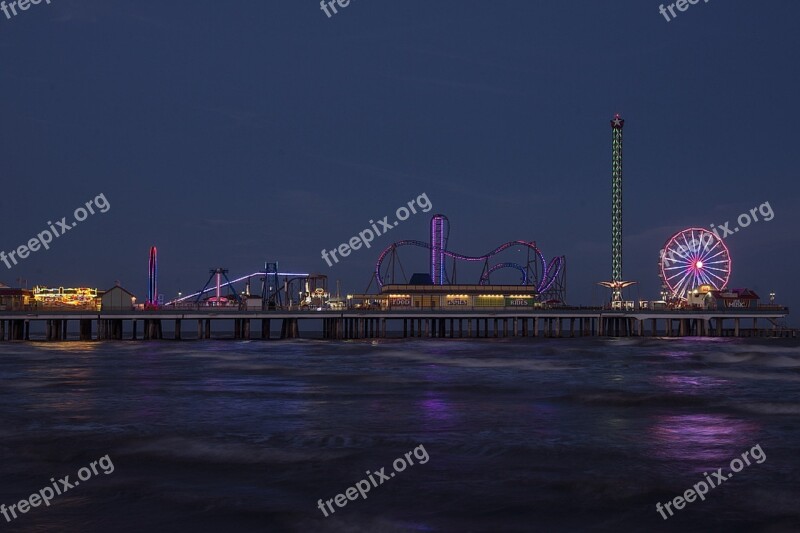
(542, 285)
(485, 277)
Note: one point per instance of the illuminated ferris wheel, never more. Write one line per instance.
(694, 257)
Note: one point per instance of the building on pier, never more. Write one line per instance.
(117, 299)
(81, 298)
(706, 297)
(449, 297)
(15, 299)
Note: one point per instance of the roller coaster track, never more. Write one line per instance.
(549, 272)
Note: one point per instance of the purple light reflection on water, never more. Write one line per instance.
(437, 410)
(700, 437)
(566, 435)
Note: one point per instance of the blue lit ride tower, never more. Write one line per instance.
(440, 232)
(152, 285)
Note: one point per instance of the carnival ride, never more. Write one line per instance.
(279, 290)
(616, 284)
(693, 257)
(549, 279)
(152, 279)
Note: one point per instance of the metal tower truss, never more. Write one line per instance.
(616, 199)
(557, 292)
(270, 293)
(219, 273)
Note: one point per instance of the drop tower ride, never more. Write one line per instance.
(616, 284)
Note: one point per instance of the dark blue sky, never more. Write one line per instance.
(229, 133)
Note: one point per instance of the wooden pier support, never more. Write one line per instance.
(289, 329)
(85, 330)
(18, 329)
(438, 325)
(152, 329)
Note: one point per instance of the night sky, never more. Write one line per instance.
(231, 133)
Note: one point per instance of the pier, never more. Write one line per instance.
(365, 324)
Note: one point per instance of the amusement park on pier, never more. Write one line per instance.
(512, 290)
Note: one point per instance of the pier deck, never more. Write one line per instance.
(418, 323)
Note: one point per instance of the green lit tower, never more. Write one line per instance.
(616, 284)
(616, 199)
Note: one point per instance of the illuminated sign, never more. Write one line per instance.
(735, 303)
(402, 301)
(489, 300)
(519, 302)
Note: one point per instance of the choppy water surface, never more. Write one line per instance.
(534, 435)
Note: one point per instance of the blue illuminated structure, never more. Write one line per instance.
(288, 276)
(440, 233)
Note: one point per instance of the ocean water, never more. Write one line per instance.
(519, 435)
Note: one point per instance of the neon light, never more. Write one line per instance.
(616, 200)
(286, 274)
(438, 246)
(692, 258)
(152, 285)
(546, 281)
(61, 297)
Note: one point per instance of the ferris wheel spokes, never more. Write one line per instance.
(692, 258)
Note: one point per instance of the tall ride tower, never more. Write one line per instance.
(152, 278)
(440, 233)
(616, 284)
(616, 198)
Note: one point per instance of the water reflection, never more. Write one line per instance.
(688, 384)
(436, 411)
(700, 437)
